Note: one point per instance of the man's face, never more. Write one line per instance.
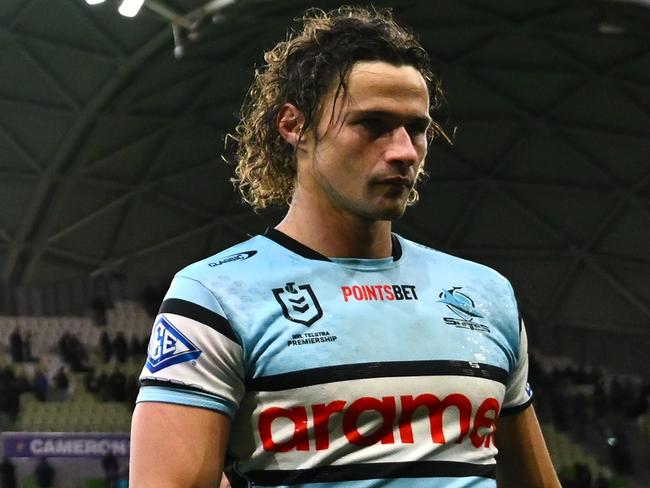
(365, 151)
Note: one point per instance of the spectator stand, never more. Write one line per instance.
(70, 346)
(66, 351)
(589, 429)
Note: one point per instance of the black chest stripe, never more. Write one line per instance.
(200, 314)
(389, 369)
(351, 472)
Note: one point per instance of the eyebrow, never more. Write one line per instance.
(425, 120)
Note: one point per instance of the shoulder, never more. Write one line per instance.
(460, 281)
(421, 255)
(199, 281)
(244, 257)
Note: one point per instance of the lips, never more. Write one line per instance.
(396, 181)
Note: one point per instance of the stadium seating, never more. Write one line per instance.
(82, 411)
(564, 452)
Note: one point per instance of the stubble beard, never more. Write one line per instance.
(386, 212)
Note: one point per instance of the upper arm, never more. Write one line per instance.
(192, 384)
(177, 446)
(523, 459)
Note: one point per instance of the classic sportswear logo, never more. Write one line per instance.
(240, 256)
(299, 303)
(169, 346)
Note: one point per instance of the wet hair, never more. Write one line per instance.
(301, 70)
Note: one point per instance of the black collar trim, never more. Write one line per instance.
(293, 245)
(397, 247)
(307, 252)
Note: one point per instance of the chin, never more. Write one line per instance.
(396, 215)
(395, 209)
(394, 212)
(377, 210)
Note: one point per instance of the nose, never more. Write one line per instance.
(401, 148)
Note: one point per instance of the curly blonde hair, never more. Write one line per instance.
(300, 70)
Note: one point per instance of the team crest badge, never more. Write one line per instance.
(459, 303)
(299, 303)
(169, 346)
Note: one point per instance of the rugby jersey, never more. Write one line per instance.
(344, 372)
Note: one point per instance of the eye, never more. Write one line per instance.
(417, 128)
(375, 126)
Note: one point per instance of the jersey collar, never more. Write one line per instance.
(293, 245)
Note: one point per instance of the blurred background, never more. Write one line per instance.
(112, 178)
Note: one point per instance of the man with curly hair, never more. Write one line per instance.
(330, 351)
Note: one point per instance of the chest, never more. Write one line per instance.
(318, 321)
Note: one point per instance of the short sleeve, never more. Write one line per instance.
(194, 356)
(518, 392)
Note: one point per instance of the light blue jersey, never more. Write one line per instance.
(344, 372)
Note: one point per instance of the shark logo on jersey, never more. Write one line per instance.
(168, 346)
(459, 303)
(299, 303)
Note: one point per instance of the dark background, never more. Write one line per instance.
(111, 168)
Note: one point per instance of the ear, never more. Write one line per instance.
(290, 121)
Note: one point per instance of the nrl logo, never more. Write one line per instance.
(459, 303)
(299, 303)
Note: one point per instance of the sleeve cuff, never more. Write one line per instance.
(185, 397)
(516, 409)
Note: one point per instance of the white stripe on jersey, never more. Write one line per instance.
(401, 419)
(218, 353)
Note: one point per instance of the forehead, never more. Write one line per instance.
(379, 85)
(384, 79)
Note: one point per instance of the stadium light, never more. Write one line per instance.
(94, 2)
(130, 8)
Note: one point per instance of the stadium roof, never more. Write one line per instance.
(110, 146)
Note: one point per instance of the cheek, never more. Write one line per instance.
(422, 153)
(421, 145)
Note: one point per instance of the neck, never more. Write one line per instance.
(335, 233)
